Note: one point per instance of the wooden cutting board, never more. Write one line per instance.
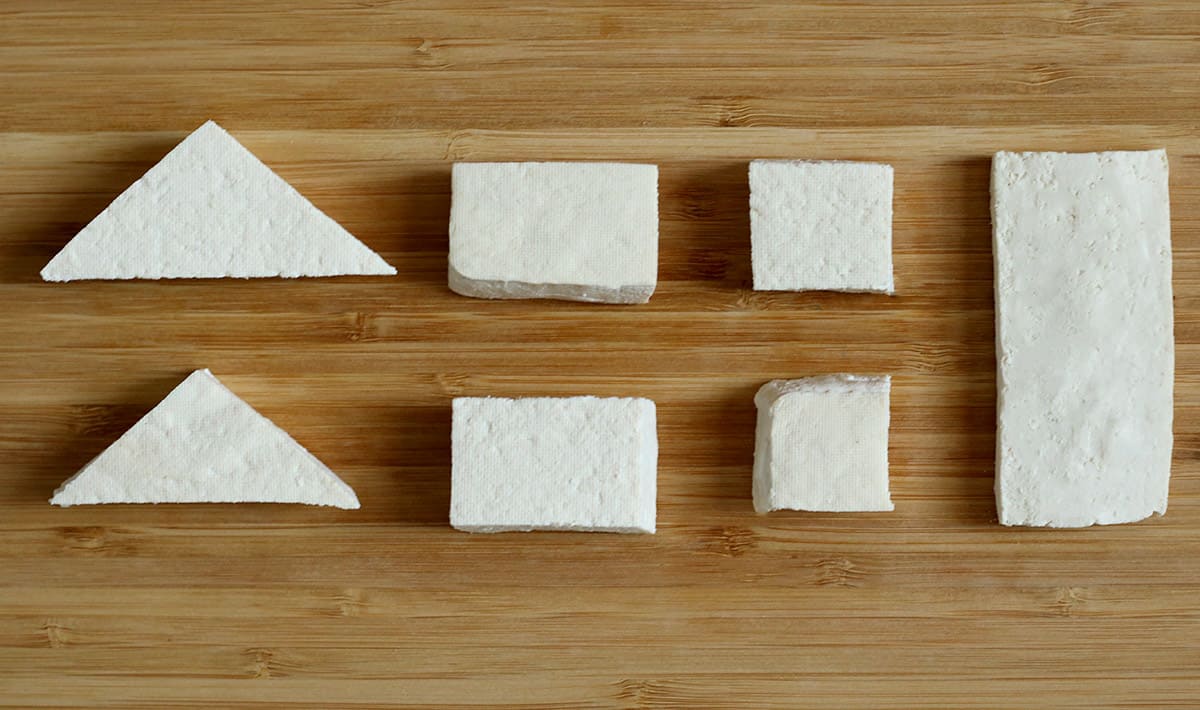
(363, 106)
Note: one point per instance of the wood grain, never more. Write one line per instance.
(363, 106)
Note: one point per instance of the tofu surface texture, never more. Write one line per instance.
(822, 444)
(821, 225)
(571, 231)
(202, 444)
(210, 209)
(544, 463)
(1084, 337)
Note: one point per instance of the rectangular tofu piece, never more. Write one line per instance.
(821, 225)
(547, 463)
(822, 444)
(1084, 337)
(570, 231)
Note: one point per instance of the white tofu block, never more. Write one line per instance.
(202, 444)
(571, 231)
(822, 444)
(1084, 337)
(544, 463)
(821, 225)
(210, 209)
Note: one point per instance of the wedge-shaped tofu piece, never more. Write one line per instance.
(821, 225)
(210, 209)
(541, 463)
(572, 231)
(1084, 337)
(822, 444)
(202, 444)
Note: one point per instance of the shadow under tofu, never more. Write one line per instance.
(705, 224)
(976, 334)
(420, 454)
(417, 218)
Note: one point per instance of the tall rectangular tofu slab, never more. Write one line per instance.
(544, 463)
(572, 231)
(1084, 337)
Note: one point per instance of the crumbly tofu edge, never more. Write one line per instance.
(482, 288)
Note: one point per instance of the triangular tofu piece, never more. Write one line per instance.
(202, 444)
(210, 209)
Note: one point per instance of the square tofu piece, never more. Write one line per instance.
(822, 444)
(818, 225)
(571, 231)
(545, 463)
(1084, 337)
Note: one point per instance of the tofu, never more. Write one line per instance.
(202, 444)
(822, 444)
(210, 209)
(544, 463)
(820, 225)
(571, 231)
(1084, 337)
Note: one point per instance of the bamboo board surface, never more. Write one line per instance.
(363, 106)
